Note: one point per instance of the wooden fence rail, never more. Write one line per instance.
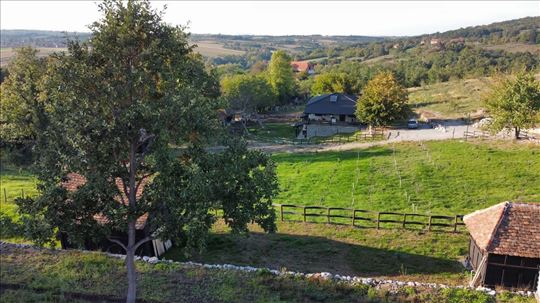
(475, 134)
(369, 218)
(343, 138)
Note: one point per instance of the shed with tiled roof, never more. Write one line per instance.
(156, 247)
(504, 248)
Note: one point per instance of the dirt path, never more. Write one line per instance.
(399, 135)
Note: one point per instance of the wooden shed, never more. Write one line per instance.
(504, 248)
(152, 248)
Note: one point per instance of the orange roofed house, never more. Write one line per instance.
(303, 66)
(504, 247)
(151, 248)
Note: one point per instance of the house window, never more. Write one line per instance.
(333, 98)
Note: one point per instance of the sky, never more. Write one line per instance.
(369, 18)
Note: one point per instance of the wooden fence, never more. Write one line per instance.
(367, 218)
(475, 134)
(343, 138)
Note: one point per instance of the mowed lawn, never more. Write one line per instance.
(439, 177)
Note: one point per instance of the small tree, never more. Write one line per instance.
(281, 76)
(514, 103)
(383, 101)
(114, 106)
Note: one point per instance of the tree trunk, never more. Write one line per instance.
(130, 264)
(131, 247)
(516, 132)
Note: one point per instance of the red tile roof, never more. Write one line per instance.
(74, 181)
(301, 66)
(508, 228)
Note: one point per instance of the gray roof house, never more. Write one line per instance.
(341, 107)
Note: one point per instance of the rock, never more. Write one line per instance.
(153, 260)
(326, 276)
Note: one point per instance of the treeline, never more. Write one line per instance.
(524, 30)
(37, 38)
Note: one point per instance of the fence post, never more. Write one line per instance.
(353, 216)
(429, 224)
(328, 215)
(281, 211)
(455, 223)
(5, 195)
(304, 214)
(378, 219)
(404, 220)
(22, 193)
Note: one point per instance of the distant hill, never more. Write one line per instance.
(523, 30)
(37, 38)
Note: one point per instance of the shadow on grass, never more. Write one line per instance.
(316, 254)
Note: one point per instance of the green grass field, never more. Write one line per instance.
(30, 275)
(272, 132)
(406, 255)
(440, 177)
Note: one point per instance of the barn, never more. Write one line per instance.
(504, 247)
(152, 248)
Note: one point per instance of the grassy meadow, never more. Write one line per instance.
(214, 49)
(452, 99)
(438, 177)
(32, 275)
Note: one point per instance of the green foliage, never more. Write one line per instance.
(248, 93)
(515, 103)
(22, 110)
(334, 82)
(114, 106)
(9, 228)
(453, 295)
(281, 76)
(383, 101)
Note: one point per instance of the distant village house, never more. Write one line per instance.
(303, 66)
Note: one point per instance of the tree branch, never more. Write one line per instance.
(118, 242)
(142, 241)
(141, 181)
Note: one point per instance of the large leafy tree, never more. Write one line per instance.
(248, 93)
(334, 82)
(281, 76)
(22, 112)
(114, 105)
(383, 101)
(514, 103)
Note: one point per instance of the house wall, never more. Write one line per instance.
(475, 254)
(328, 118)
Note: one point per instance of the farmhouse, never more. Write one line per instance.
(152, 248)
(331, 108)
(302, 66)
(504, 247)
